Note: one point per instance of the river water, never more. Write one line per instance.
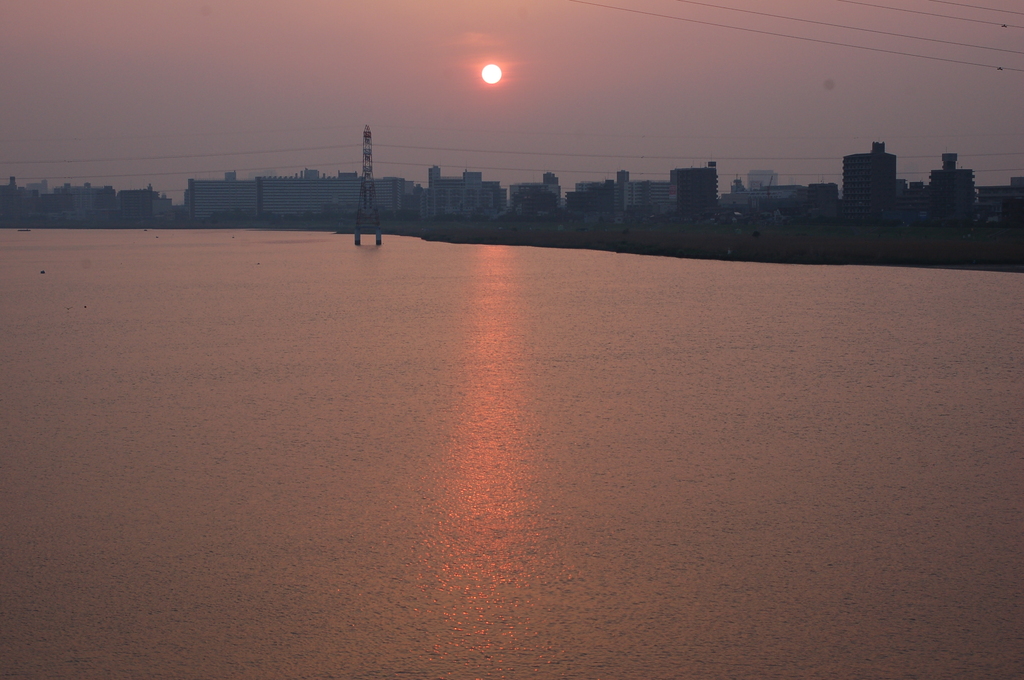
(230, 454)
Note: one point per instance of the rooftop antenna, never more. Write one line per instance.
(367, 215)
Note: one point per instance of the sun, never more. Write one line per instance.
(491, 74)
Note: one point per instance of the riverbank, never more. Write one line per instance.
(990, 248)
(986, 248)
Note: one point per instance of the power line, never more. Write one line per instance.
(175, 135)
(931, 14)
(986, 9)
(663, 158)
(463, 130)
(848, 28)
(170, 173)
(411, 147)
(182, 156)
(797, 37)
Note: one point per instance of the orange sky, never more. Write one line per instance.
(85, 80)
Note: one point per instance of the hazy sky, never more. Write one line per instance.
(587, 90)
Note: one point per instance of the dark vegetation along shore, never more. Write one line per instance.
(907, 246)
(965, 246)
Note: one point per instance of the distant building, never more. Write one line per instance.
(823, 199)
(621, 189)
(593, 201)
(1013, 212)
(89, 202)
(55, 205)
(759, 179)
(869, 183)
(465, 196)
(206, 197)
(695, 189)
(536, 199)
(307, 192)
(391, 193)
(137, 204)
(10, 200)
(791, 198)
(1000, 203)
(41, 187)
(650, 197)
(912, 197)
(13, 201)
(951, 191)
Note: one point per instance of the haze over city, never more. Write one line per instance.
(155, 92)
(548, 339)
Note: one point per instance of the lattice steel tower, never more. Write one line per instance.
(367, 215)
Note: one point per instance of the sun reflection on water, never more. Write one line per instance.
(483, 563)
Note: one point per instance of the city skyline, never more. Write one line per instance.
(219, 86)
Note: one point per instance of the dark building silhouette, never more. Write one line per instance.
(57, 203)
(1013, 212)
(592, 200)
(12, 200)
(307, 192)
(912, 197)
(136, 204)
(535, 199)
(869, 183)
(391, 193)
(467, 196)
(696, 190)
(951, 191)
(1001, 203)
(88, 201)
(648, 197)
(621, 190)
(823, 199)
(207, 197)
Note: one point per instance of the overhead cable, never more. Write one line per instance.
(986, 9)
(848, 28)
(653, 157)
(929, 14)
(188, 155)
(799, 37)
(411, 147)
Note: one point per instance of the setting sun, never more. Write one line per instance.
(491, 74)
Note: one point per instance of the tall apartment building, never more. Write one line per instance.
(206, 197)
(304, 192)
(137, 204)
(869, 183)
(695, 190)
(593, 200)
(90, 201)
(951, 191)
(392, 193)
(534, 199)
(466, 196)
(307, 193)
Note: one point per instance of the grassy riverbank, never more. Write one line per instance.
(906, 246)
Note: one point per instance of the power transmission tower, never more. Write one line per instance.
(367, 215)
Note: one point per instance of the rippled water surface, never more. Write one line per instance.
(276, 455)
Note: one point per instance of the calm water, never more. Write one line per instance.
(275, 455)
